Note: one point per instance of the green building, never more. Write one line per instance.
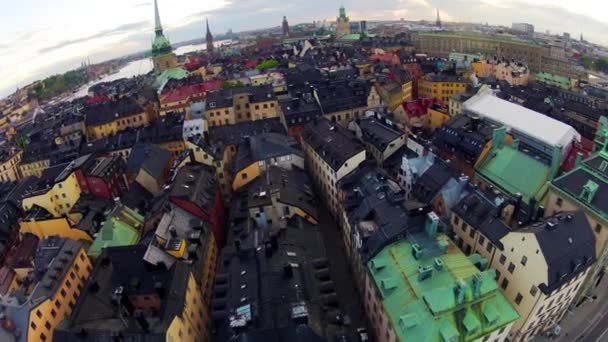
(123, 227)
(428, 290)
(514, 172)
(555, 80)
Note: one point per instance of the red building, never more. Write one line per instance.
(101, 177)
(196, 190)
(412, 66)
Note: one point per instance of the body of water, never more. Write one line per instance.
(138, 67)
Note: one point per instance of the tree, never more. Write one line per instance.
(602, 64)
(232, 85)
(587, 62)
(267, 64)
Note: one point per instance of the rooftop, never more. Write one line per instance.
(379, 133)
(333, 143)
(521, 119)
(123, 227)
(265, 146)
(122, 274)
(438, 297)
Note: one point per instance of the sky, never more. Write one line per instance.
(39, 38)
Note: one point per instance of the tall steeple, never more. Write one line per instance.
(158, 28)
(438, 22)
(285, 27)
(209, 37)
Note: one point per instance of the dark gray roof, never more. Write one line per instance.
(573, 182)
(464, 136)
(259, 285)
(332, 142)
(378, 133)
(265, 146)
(151, 158)
(481, 211)
(300, 109)
(568, 244)
(293, 187)
(234, 134)
(196, 183)
(107, 112)
(96, 316)
(224, 98)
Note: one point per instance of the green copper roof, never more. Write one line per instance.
(438, 298)
(123, 228)
(506, 38)
(562, 81)
(173, 73)
(515, 172)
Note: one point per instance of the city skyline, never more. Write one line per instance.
(38, 41)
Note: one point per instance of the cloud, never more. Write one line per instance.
(126, 28)
(143, 4)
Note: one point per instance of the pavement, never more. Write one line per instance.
(348, 297)
(587, 323)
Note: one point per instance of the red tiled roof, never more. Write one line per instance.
(387, 57)
(418, 108)
(251, 64)
(97, 99)
(192, 91)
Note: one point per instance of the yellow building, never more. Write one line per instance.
(9, 165)
(230, 106)
(62, 267)
(513, 73)
(440, 86)
(437, 117)
(331, 153)
(219, 157)
(60, 226)
(106, 119)
(540, 269)
(34, 167)
(260, 152)
(57, 192)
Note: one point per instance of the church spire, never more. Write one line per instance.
(209, 37)
(438, 19)
(158, 28)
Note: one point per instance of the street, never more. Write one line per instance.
(349, 299)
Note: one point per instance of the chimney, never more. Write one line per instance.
(579, 159)
(142, 321)
(432, 221)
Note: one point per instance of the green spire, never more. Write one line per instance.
(161, 44)
(342, 12)
(158, 28)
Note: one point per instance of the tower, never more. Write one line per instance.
(438, 22)
(285, 27)
(162, 52)
(209, 38)
(342, 23)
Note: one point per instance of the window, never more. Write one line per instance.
(598, 228)
(524, 260)
(511, 267)
(559, 201)
(533, 290)
(63, 293)
(504, 284)
(33, 325)
(47, 325)
(63, 195)
(38, 313)
(42, 337)
(502, 259)
(482, 240)
(244, 176)
(57, 304)
(472, 233)
(489, 247)
(518, 298)
(53, 313)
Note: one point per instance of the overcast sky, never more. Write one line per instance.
(39, 38)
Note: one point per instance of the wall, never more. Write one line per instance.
(58, 200)
(50, 312)
(56, 226)
(193, 323)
